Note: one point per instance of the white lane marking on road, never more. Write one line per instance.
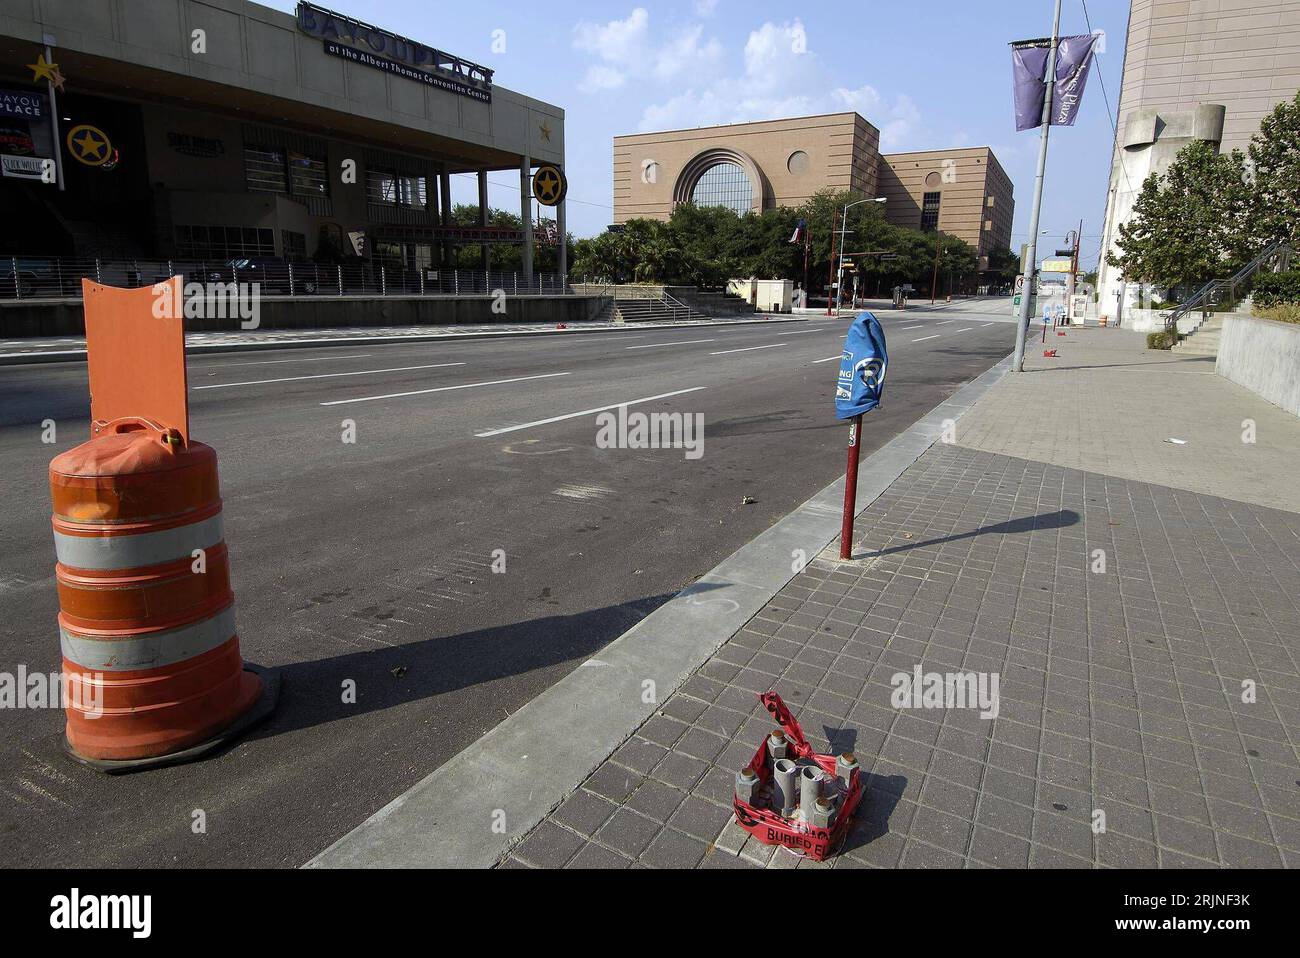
(585, 412)
(946, 322)
(328, 376)
(964, 329)
(747, 349)
(987, 324)
(684, 342)
(443, 389)
(272, 362)
(917, 326)
(828, 359)
(924, 338)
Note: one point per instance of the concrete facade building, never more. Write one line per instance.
(964, 193)
(223, 128)
(782, 163)
(1193, 70)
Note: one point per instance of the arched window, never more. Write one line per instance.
(724, 184)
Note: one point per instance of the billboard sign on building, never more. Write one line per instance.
(380, 49)
(30, 106)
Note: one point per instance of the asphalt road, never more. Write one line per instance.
(371, 560)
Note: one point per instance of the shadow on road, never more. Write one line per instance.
(313, 692)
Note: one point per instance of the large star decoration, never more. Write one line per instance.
(545, 131)
(43, 70)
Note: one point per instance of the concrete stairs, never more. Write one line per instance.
(645, 310)
(1204, 340)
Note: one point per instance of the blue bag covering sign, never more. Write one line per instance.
(862, 369)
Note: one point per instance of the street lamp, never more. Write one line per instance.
(844, 222)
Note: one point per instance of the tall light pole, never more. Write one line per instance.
(1031, 268)
(934, 280)
(844, 222)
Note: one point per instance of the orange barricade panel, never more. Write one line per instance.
(135, 348)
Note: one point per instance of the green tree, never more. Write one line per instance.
(1190, 225)
(1275, 155)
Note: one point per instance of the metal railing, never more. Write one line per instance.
(1207, 295)
(33, 278)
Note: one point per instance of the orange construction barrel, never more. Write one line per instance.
(147, 621)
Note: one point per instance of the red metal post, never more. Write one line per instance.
(851, 488)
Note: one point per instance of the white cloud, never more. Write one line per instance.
(779, 77)
(782, 78)
(616, 41)
(628, 50)
(600, 77)
(705, 8)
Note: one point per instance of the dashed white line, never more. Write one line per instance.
(964, 329)
(924, 338)
(585, 412)
(294, 379)
(828, 359)
(272, 362)
(748, 349)
(917, 326)
(987, 324)
(442, 389)
(684, 342)
(946, 322)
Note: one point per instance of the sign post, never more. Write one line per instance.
(858, 390)
(851, 487)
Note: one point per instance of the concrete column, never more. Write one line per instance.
(444, 190)
(484, 258)
(563, 258)
(526, 214)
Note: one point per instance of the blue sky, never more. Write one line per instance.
(929, 75)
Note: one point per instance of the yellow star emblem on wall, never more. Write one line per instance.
(545, 131)
(46, 70)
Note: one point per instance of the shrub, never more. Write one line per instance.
(1282, 313)
(1161, 339)
(1275, 289)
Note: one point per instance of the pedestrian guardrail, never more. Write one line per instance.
(31, 277)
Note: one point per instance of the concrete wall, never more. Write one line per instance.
(1181, 57)
(839, 150)
(64, 318)
(1263, 356)
(1153, 320)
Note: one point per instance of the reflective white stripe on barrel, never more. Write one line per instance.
(149, 650)
(106, 553)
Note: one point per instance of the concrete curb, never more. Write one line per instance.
(79, 355)
(471, 810)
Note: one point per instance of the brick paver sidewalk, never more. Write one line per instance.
(1122, 692)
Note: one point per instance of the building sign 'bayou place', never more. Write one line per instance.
(361, 43)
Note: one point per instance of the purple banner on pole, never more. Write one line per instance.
(1029, 74)
(1073, 61)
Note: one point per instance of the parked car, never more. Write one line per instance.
(270, 272)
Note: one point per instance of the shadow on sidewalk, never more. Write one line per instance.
(871, 820)
(1051, 520)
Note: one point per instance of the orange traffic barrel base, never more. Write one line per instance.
(258, 694)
